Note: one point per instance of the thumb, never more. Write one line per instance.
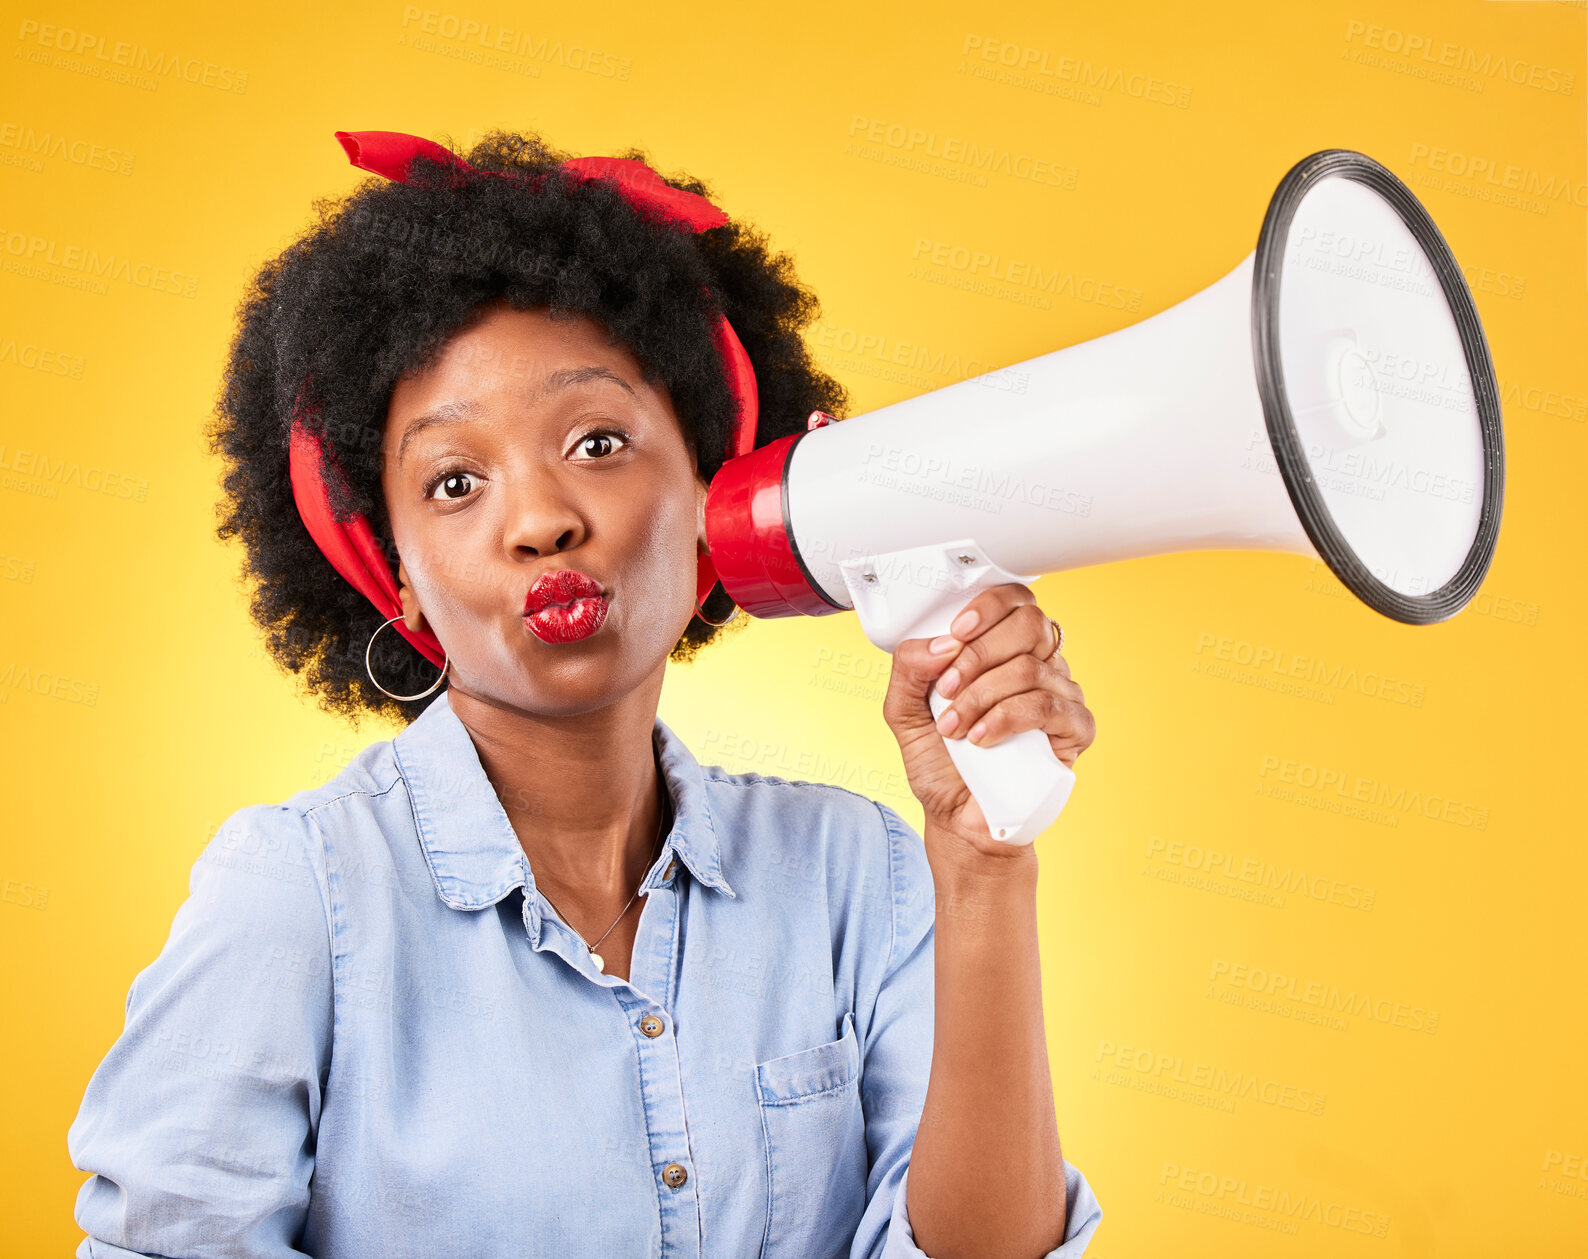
(916, 668)
(907, 709)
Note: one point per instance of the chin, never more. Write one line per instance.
(552, 681)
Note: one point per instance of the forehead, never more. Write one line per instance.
(508, 351)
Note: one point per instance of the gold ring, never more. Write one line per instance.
(1058, 638)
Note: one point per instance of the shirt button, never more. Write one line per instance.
(651, 1025)
(674, 1174)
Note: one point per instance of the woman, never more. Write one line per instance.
(529, 979)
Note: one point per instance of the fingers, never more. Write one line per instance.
(1021, 694)
(1068, 722)
(1023, 630)
(999, 673)
(988, 608)
(1000, 646)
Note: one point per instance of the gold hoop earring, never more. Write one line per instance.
(716, 624)
(445, 661)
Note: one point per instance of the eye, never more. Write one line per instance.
(600, 445)
(454, 483)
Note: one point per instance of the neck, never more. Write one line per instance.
(583, 793)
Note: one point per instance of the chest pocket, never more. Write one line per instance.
(815, 1137)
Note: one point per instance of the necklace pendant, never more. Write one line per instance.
(599, 964)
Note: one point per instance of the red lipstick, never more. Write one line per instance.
(564, 606)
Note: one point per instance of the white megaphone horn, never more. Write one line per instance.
(1332, 396)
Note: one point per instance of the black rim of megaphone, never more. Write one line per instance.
(1289, 452)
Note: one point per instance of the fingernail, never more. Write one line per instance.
(947, 722)
(942, 643)
(964, 622)
(948, 683)
(976, 731)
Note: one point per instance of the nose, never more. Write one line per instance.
(541, 519)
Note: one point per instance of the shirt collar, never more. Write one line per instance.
(471, 847)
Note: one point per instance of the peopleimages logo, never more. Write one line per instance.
(1261, 1205)
(27, 254)
(48, 682)
(976, 486)
(728, 748)
(1027, 65)
(483, 41)
(50, 475)
(985, 159)
(1501, 176)
(1260, 658)
(1171, 1075)
(41, 358)
(34, 146)
(1364, 790)
(1446, 55)
(1565, 406)
(1259, 875)
(1565, 1174)
(1239, 980)
(862, 347)
(104, 55)
(1000, 275)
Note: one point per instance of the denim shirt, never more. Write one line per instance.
(368, 1034)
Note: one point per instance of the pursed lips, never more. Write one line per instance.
(561, 588)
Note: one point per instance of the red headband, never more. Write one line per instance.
(350, 545)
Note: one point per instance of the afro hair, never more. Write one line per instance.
(373, 291)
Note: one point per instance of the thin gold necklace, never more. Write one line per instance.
(596, 958)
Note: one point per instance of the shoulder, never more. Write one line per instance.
(809, 813)
(291, 839)
(371, 774)
(258, 891)
(359, 796)
(804, 833)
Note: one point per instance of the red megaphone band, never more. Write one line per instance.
(350, 545)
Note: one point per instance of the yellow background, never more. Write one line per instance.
(138, 710)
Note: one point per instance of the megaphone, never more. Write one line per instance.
(1332, 396)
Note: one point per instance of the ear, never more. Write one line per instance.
(413, 618)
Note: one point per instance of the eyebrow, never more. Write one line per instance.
(462, 408)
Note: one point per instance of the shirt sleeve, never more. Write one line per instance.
(199, 1125)
(897, 1061)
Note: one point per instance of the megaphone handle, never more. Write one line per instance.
(1020, 784)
